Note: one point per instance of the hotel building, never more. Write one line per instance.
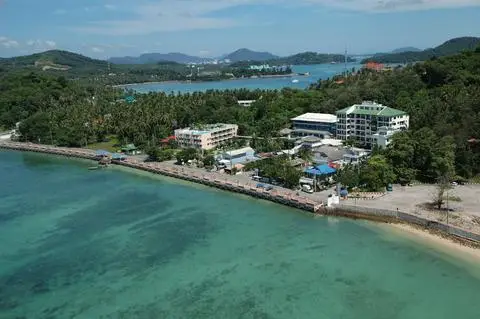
(370, 123)
(206, 136)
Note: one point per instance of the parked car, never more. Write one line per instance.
(307, 189)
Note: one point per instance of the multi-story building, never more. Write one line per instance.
(206, 136)
(361, 122)
(315, 124)
(246, 103)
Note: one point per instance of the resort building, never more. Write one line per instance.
(246, 103)
(315, 124)
(206, 136)
(238, 156)
(383, 136)
(360, 122)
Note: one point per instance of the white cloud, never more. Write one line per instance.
(97, 49)
(393, 5)
(110, 7)
(50, 44)
(60, 11)
(177, 15)
(168, 15)
(8, 43)
(41, 45)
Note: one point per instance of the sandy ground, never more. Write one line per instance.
(464, 213)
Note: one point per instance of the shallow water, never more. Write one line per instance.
(110, 244)
(317, 72)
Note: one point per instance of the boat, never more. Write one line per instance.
(295, 81)
(93, 168)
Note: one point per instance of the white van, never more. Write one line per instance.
(307, 188)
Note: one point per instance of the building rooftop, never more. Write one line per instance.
(204, 129)
(316, 117)
(371, 108)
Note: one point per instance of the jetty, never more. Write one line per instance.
(277, 195)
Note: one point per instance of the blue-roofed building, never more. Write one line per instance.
(320, 170)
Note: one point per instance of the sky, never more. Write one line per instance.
(106, 28)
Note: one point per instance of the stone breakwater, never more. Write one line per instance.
(278, 195)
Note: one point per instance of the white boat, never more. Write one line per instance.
(295, 81)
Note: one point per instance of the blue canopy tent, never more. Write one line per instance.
(320, 170)
(120, 157)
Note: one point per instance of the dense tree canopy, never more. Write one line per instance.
(442, 97)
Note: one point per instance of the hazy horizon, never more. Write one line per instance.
(212, 28)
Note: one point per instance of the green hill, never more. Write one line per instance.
(450, 47)
(54, 59)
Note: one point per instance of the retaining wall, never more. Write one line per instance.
(360, 212)
(402, 217)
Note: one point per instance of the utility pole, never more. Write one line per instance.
(346, 61)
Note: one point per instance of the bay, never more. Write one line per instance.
(317, 72)
(114, 243)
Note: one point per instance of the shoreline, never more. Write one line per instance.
(442, 244)
(198, 82)
(280, 196)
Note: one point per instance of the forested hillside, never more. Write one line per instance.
(442, 97)
(450, 47)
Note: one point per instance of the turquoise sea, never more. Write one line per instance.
(317, 72)
(114, 243)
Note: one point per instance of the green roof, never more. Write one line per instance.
(343, 110)
(386, 111)
(129, 148)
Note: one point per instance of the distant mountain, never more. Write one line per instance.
(450, 47)
(406, 49)
(249, 55)
(152, 58)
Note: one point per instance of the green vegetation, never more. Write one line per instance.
(110, 144)
(441, 97)
(279, 169)
(311, 58)
(83, 69)
(450, 47)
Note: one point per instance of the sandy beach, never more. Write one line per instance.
(440, 244)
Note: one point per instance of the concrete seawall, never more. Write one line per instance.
(355, 212)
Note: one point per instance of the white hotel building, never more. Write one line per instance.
(370, 123)
(207, 136)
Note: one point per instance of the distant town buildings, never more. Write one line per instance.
(315, 124)
(370, 123)
(206, 136)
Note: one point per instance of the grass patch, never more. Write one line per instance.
(111, 145)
